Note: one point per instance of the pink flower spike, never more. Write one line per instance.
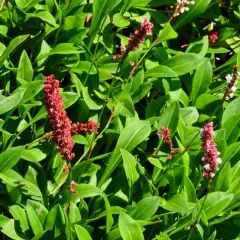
(211, 158)
(58, 118)
(213, 37)
(165, 135)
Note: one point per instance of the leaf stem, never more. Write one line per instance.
(90, 149)
(94, 54)
(199, 213)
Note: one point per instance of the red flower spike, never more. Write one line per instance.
(58, 118)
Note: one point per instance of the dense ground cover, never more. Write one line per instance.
(119, 119)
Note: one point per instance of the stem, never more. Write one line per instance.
(142, 58)
(90, 149)
(94, 54)
(181, 154)
(61, 19)
(199, 214)
(69, 182)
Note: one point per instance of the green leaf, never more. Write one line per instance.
(235, 173)
(141, 92)
(11, 102)
(133, 134)
(238, 58)
(61, 49)
(202, 79)
(34, 220)
(9, 230)
(230, 151)
(33, 155)
(90, 103)
(25, 3)
(126, 106)
(167, 33)
(146, 208)
(3, 220)
(44, 16)
(11, 47)
(190, 115)
(155, 162)
(109, 217)
(82, 233)
(55, 219)
(80, 139)
(126, 5)
(232, 108)
(160, 71)
(223, 180)
(120, 21)
(25, 70)
(215, 203)
(184, 63)
(87, 190)
(170, 117)
(31, 90)
(75, 35)
(190, 190)
(100, 10)
(195, 10)
(205, 99)
(10, 157)
(177, 203)
(130, 164)
(69, 98)
(232, 127)
(200, 46)
(19, 214)
(129, 228)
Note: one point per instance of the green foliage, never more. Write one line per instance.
(125, 182)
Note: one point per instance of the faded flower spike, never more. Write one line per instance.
(138, 37)
(58, 118)
(71, 188)
(232, 80)
(182, 7)
(211, 158)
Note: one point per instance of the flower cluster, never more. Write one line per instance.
(58, 118)
(211, 155)
(89, 127)
(135, 39)
(167, 139)
(213, 37)
(182, 7)
(232, 80)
